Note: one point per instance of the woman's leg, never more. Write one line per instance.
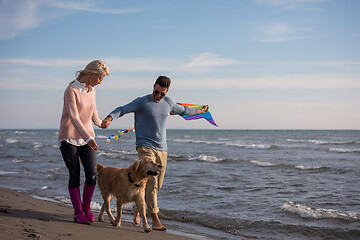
(88, 159)
(71, 159)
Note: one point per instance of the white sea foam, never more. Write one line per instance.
(101, 136)
(16, 160)
(95, 206)
(263, 164)
(44, 187)
(224, 143)
(5, 173)
(107, 154)
(20, 132)
(344, 150)
(124, 152)
(318, 213)
(38, 145)
(52, 170)
(63, 199)
(12, 140)
(319, 142)
(113, 153)
(206, 158)
(174, 155)
(302, 167)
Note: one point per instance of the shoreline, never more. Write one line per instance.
(23, 216)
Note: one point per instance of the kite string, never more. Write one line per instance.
(116, 137)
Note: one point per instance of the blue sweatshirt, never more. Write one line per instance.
(151, 118)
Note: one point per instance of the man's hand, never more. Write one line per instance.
(106, 122)
(204, 109)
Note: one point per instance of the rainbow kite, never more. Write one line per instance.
(206, 115)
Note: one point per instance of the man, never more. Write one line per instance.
(151, 114)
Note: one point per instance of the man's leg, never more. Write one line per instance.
(154, 184)
(142, 151)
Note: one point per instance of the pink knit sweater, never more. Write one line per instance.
(78, 111)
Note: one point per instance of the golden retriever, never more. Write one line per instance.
(127, 185)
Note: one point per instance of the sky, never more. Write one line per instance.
(258, 64)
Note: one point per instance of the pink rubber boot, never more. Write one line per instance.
(87, 196)
(79, 216)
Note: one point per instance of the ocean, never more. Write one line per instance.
(219, 184)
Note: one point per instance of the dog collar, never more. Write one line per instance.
(130, 180)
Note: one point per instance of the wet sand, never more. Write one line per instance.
(25, 217)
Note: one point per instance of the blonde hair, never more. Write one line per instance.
(96, 66)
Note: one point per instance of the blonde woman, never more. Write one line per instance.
(76, 136)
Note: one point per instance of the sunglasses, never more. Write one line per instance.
(157, 92)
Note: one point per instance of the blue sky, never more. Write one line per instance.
(259, 64)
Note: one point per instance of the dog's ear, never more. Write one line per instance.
(135, 166)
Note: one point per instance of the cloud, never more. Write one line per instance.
(17, 16)
(206, 61)
(25, 73)
(44, 62)
(202, 61)
(278, 32)
(293, 81)
(298, 105)
(89, 7)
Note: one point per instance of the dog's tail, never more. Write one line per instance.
(99, 167)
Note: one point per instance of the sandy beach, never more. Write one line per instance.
(25, 217)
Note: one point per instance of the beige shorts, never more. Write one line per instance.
(154, 183)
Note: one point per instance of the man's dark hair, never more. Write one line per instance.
(163, 81)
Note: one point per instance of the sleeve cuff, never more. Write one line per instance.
(89, 139)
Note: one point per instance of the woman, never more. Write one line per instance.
(76, 136)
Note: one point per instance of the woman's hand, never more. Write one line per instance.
(106, 122)
(92, 144)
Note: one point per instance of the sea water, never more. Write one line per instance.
(219, 184)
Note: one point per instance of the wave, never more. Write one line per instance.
(24, 132)
(102, 136)
(5, 172)
(94, 205)
(230, 144)
(254, 229)
(209, 158)
(309, 167)
(37, 146)
(20, 132)
(16, 160)
(344, 150)
(53, 170)
(12, 140)
(263, 164)
(206, 158)
(320, 142)
(113, 153)
(270, 164)
(172, 155)
(318, 213)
